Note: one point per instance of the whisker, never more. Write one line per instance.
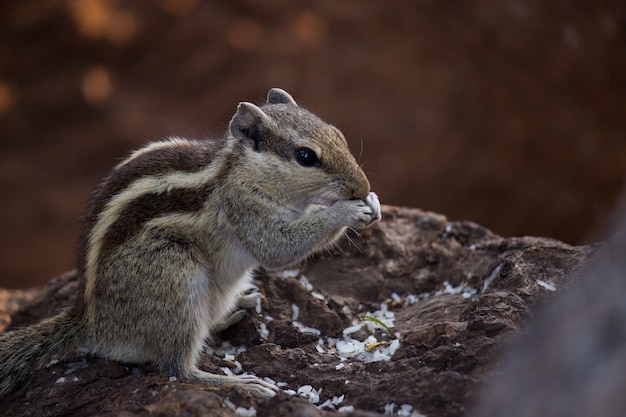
(352, 242)
(330, 250)
(303, 191)
(320, 189)
(360, 150)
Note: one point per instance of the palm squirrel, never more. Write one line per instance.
(174, 232)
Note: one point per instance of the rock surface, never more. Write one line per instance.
(452, 293)
(571, 362)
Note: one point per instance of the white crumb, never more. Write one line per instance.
(546, 285)
(305, 329)
(263, 332)
(352, 329)
(225, 349)
(304, 281)
(74, 366)
(462, 289)
(246, 412)
(318, 295)
(307, 391)
(320, 346)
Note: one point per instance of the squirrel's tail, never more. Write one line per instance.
(26, 350)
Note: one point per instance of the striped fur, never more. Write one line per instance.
(172, 235)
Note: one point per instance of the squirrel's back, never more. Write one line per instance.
(160, 159)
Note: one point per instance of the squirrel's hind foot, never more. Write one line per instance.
(250, 383)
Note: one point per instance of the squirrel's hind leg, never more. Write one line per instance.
(248, 301)
(181, 363)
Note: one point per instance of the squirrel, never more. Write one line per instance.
(173, 234)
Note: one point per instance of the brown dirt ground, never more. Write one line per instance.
(471, 289)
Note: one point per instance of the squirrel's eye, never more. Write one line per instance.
(307, 157)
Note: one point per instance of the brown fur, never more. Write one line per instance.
(173, 233)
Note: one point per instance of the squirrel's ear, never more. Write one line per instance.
(247, 122)
(279, 96)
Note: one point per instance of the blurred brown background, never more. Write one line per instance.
(509, 113)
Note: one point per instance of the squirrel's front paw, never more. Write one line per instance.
(372, 201)
(361, 213)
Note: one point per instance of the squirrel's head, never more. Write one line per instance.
(301, 157)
